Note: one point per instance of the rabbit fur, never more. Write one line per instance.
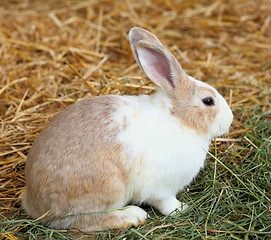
(102, 153)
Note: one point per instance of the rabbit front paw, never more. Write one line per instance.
(170, 206)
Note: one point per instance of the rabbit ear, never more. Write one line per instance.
(137, 34)
(155, 60)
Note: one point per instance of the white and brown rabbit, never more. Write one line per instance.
(101, 153)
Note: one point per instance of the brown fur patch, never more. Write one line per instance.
(74, 166)
(124, 124)
(190, 113)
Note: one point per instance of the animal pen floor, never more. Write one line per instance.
(55, 52)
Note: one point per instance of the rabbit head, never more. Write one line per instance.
(198, 105)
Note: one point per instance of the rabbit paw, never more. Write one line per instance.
(170, 206)
(129, 216)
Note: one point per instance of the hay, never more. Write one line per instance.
(56, 52)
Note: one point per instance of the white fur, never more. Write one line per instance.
(223, 118)
(165, 155)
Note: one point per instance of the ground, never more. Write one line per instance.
(53, 53)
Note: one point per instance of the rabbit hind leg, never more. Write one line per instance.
(115, 219)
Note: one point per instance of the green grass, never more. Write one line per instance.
(229, 199)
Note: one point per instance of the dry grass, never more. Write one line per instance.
(53, 53)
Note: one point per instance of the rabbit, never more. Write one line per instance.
(103, 153)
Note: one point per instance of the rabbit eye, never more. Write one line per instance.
(208, 101)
